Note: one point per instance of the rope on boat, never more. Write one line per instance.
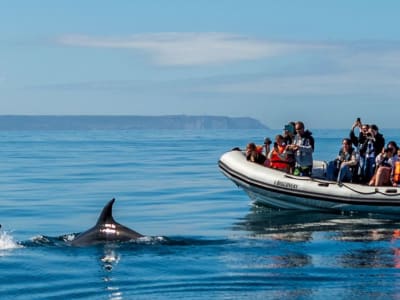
(298, 177)
(376, 191)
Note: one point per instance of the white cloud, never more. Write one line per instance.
(307, 68)
(357, 68)
(351, 83)
(193, 49)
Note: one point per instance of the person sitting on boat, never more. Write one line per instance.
(388, 158)
(277, 156)
(385, 163)
(303, 148)
(289, 133)
(267, 147)
(395, 148)
(396, 170)
(342, 168)
(254, 154)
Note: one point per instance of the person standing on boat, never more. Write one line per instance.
(360, 142)
(303, 148)
(288, 138)
(375, 145)
(289, 133)
(369, 144)
(341, 169)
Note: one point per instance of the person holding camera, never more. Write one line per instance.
(374, 145)
(360, 143)
(302, 148)
(342, 168)
(289, 133)
(369, 144)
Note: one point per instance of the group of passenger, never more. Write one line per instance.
(291, 152)
(362, 158)
(375, 164)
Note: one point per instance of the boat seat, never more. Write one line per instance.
(319, 169)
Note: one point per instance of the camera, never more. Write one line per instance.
(275, 145)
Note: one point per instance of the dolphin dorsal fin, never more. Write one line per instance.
(106, 214)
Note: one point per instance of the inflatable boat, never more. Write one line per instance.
(278, 189)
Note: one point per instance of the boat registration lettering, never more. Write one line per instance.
(285, 184)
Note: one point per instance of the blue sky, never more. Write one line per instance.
(323, 62)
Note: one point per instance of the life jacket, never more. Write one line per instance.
(346, 156)
(276, 162)
(259, 149)
(396, 172)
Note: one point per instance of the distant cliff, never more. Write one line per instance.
(126, 122)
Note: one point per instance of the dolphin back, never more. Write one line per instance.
(106, 230)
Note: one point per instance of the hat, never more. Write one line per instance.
(267, 141)
(289, 127)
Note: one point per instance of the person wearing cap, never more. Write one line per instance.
(288, 138)
(289, 133)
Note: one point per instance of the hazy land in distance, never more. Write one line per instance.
(183, 122)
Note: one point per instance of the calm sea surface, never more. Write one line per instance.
(205, 238)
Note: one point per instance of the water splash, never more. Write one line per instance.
(7, 242)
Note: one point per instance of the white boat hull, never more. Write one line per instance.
(280, 190)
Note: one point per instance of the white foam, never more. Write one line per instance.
(110, 257)
(149, 240)
(7, 242)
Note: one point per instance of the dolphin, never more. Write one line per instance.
(105, 230)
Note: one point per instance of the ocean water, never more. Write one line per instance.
(204, 238)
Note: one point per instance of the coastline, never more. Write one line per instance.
(125, 122)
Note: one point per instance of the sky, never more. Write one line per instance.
(323, 62)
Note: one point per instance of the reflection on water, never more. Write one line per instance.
(325, 239)
(300, 226)
(108, 261)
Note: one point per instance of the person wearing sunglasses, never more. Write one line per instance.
(303, 148)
